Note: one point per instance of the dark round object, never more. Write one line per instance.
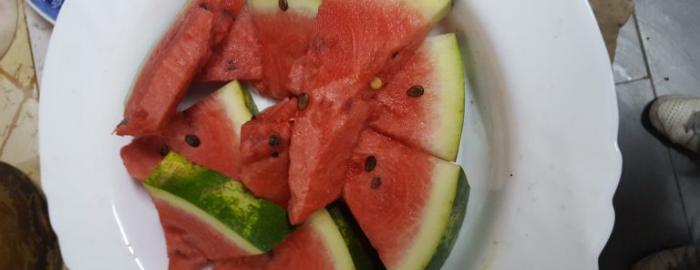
(26, 238)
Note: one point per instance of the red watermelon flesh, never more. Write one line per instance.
(194, 236)
(430, 118)
(393, 186)
(238, 57)
(166, 75)
(300, 251)
(142, 155)
(224, 12)
(284, 37)
(322, 142)
(207, 134)
(181, 255)
(392, 198)
(265, 152)
(308, 248)
(353, 39)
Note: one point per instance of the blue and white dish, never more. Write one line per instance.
(47, 8)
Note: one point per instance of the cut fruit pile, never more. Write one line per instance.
(351, 169)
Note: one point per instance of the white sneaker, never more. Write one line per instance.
(678, 119)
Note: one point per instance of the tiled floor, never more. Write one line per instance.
(658, 201)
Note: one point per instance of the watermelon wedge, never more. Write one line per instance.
(322, 141)
(335, 70)
(328, 240)
(352, 40)
(422, 102)
(207, 133)
(409, 204)
(204, 210)
(167, 72)
(238, 57)
(284, 29)
(265, 152)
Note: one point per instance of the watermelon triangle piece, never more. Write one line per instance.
(328, 240)
(238, 57)
(167, 73)
(207, 133)
(265, 152)
(284, 31)
(352, 40)
(422, 102)
(319, 152)
(422, 199)
(204, 211)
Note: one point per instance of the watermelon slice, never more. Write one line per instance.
(335, 70)
(207, 133)
(284, 30)
(352, 40)
(205, 210)
(167, 73)
(422, 103)
(322, 142)
(410, 204)
(238, 57)
(265, 152)
(330, 239)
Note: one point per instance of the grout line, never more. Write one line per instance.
(632, 80)
(645, 55)
(668, 149)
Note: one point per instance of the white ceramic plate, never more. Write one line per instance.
(539, 143)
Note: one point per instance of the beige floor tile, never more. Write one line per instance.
(21, 149)
(11, 98)
(17, 62)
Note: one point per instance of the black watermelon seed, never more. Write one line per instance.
(283, 5)
(230, 65)
(192, 140)
(376, 182)
(302, 101)
(164, 150)
(204, 6)
(415, 91)
(275, 154)
(274, 140)
(370, 163)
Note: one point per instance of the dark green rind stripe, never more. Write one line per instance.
(363, 254)
(260, 222)
(248, 100)
(459, 209)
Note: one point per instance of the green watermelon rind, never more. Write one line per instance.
(325, 226)
(432, 10)
(363, 254)
(446, 57)
(238, 103)
(308, 8)
(249, 222)
(454, 224)
(439, 227)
